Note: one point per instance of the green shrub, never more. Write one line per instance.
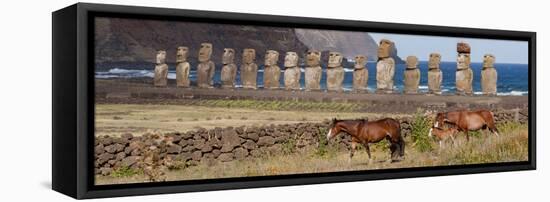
(419, 133)
(124, 171)
(289, 146)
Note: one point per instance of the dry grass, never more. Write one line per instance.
(484, 148)
(115, 119)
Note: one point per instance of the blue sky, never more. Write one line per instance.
(505, 51)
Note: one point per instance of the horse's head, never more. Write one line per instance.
(334, 129)
(438, 122)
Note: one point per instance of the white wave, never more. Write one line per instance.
(422, 87)
(514, 93)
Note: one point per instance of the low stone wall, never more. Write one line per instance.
(228, 144)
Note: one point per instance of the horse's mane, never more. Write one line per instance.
(335, 120)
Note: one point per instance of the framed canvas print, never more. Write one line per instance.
(155, 100)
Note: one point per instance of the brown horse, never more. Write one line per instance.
(467, 121)
(444, 134)
(366, 132)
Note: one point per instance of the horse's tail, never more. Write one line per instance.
(401, 145)
(400, 141)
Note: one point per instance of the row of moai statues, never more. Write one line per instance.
(385, 70)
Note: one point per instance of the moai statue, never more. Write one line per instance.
(206, 68)
(335, 72)
(249, 69)
(464, 74)
(435, 75)
(385, 68)
(360, 73)
(272, 72)
(313, 70)
(411, 76)
(292, 71)
(489, 75)
(182, 67)
(161, 70)
(229, 69)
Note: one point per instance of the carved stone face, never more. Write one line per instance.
(335, 59)
(228, 56)
(313, 58)
(463, 61)
(384, 48)
(412, 62)
(161, 57)
(271, 57)
(434, 61)
(181, 54)
(488, 61)
(291, 59)
(205, 52)
(360, 61)
(249, 55)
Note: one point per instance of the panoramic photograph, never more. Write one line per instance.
(177, 101)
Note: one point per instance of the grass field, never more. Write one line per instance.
(510, 146)
(115, 119)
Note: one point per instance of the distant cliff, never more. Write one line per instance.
(129, 40)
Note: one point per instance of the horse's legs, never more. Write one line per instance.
(494, 130)
(368, 149)
(452, 140)
(353, 145)
(467, 136)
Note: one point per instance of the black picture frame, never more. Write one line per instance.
(73, 100)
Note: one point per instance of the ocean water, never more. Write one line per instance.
(512, 78)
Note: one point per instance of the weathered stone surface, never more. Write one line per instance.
(249, 144)
(335, 72)
(240, 153)
(464, 74)
(385, 71)
(384, 49)
(230, 139)
(411, 76)
(225, 157)
(182, 67)
(119, 156)
(313, 70)
(229, 69)
(274, 149)
(216, 153)
(174, 149)
(266, 141)
(253, 136)
(196, 155)
(272, 72)
(464, 80)
(489, 76)
(105, 141)
(119, 147)
(435, 75)
(205, 52)
(130, 161)
(360, 73)
(106, 171)
(103, 158)
(161, 69)
(249, 69)
(207, 147)
(110, 149)
(205, 74)
(292, 71)
(99, 149)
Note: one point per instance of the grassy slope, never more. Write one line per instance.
(482, 148)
